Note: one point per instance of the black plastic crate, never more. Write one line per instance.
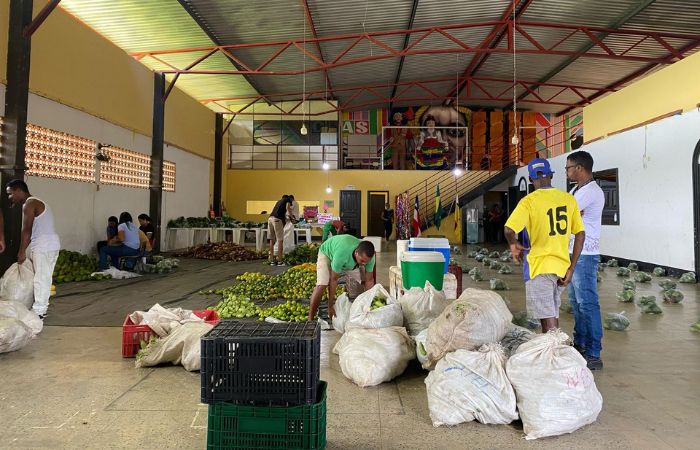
(261, 363)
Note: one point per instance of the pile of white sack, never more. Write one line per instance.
(179, 331)
(483, 367)
(18, 323)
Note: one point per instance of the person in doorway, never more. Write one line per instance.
(39, 243)
(583, 290)
(388, 219)
(125, 243)
(146, 226)
(333, 228)
(344, 253)
(112, 223)
(550, 217)
(495, 218)
(275, 228)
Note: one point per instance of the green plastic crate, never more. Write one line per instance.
(233, 426)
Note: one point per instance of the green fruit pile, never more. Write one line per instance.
(162, 265)
(73, 266)
(377, 302)
(235, 307)
(255, 286)
(307, 253)
(289, 311)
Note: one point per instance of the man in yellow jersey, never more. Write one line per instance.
(550, 216)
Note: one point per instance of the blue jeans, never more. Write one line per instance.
(583, 296)
(115, 252)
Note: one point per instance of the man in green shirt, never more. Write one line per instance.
(333, 228)
(342, 253)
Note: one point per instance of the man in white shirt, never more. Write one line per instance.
(39, 243)
(583, 290)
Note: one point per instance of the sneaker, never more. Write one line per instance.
(594, 363)
(281, 264)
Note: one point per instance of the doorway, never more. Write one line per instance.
(375, 209)
(696, 205)
(351, 211)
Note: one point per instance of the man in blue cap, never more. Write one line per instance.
(550, 216)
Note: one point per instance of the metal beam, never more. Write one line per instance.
(310, 21)
(629, 15)
(40, 18)
(157, 143)
(493, 40)
(218, 160)
(15, 121)
(406, 38)
(215, 40)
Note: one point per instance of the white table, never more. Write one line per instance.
(177, 238)
(200, 235)
(260, 238)
(449, 284)
(219, 234)
(306, 232)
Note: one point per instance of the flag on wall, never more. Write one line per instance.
(437, 217)
(416, 220)
(458, 221)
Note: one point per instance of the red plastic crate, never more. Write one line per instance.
(132, 334)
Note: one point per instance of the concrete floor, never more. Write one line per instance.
(70, 388)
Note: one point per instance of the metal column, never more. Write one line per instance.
(156, 182)
(218, 161)
(15, 121)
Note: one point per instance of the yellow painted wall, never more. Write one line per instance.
(75, 66)
(244, 185)
(672, 88)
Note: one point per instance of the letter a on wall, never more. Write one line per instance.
(349, 127)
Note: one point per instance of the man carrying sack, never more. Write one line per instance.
(342, 253)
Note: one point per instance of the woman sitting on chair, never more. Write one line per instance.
(125, 243)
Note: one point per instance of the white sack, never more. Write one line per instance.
(287, 239)
(369, 357)
(117, 274)
(17, 284)
(556, 391)
(342, 312)
(468, 386)
(13, 334)
(362, 317)
(162, 320)
(181, 346)
(476, 318)
(421, 349)
(421, 306)
(24, 315)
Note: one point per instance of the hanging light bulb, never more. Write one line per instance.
(328, 189)
(457, 171)
(515, 140)
(303, 129)
(325, 166)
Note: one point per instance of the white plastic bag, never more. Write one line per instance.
(287, 239)
(362, 316)
(556, 391)
(421, 306)
(162, 320)
(421, 346)
(181, 346)
(13, 334)
(468, 386)
(342, 312)
(24, 315)
(476, 318)
(369, 357)
(17, 285)
(117, 274)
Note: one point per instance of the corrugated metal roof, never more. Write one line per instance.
(141, 25)
(137, 25)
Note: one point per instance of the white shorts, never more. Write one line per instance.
(543, 296)
(323, 272)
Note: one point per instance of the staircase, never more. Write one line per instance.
(468, 186)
